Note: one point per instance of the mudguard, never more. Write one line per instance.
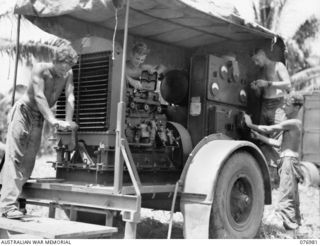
(199, 179)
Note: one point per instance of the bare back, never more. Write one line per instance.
(53, 84)
(271, 73)
(291, 137)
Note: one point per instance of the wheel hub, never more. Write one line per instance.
(241, 200)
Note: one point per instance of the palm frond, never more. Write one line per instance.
(33, 40)
(27, 50)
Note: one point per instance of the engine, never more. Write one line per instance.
(154, 142)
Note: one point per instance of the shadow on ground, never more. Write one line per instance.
(150, 228)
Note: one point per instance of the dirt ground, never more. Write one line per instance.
(155, 223)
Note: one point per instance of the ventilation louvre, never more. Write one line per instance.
(91, 76)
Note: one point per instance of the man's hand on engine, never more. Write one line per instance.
(153, 69)
(260, 83)
(254, 135)
(62, 125)
(73, 125)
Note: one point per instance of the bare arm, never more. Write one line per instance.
(134, 82)
(69, 92)
(149, 68)
(266, 140)
(283, 83)
(69, 97)
(285, 125)
(154, 68)
(41, 100)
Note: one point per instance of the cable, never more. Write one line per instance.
(16, 60)
(114, 33)
(172, 208)
(9, 69)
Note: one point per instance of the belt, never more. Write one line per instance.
(289, 153)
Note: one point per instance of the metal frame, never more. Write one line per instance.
(118, 170)
(122, 152)
(97, 197)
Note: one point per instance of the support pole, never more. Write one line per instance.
(130, 230)
(109, 218)
(73, 214)
(52, 210)
(118, 169)
(16, 60)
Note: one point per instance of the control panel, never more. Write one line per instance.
(226, 83)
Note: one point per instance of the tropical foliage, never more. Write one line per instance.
(298, 50)
(268, 13)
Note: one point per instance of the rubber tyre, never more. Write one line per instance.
(241, 171)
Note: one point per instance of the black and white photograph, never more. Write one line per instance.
(159, 119)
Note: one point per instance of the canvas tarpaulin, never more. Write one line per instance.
(186, 23)
(183, 23)
(101, 10)
(89, 10)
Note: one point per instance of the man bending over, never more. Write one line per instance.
(26, 120)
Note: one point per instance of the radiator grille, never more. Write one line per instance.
(91, 76)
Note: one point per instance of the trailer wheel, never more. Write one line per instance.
(238, 203)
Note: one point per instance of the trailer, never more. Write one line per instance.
(191, 153)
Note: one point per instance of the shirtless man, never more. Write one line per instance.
(274, 83)
(26, 121)
(135, 65)
(287, 211)
(273, 86)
